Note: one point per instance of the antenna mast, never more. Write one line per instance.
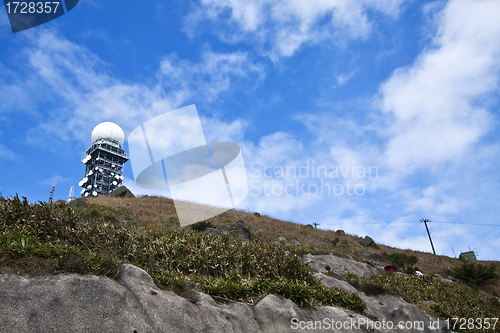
(54, 184)
(71, 193)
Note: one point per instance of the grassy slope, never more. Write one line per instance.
(145, 231)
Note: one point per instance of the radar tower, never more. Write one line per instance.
(104, 161)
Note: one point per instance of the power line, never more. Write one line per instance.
(464, 223)
(491, 225)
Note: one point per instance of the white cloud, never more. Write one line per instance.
(439, 199)
(436, 104)
(345, 77)
(6, 154)
(427, 141)
(56, 178)
(83, 92)
(287, 25)
(208, 78)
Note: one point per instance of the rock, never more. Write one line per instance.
(386, 308)
(239, 229)
(254, 229)
(122, 192)
(371, 263)
(288, 245)
(440, 278)
(276, 243)
(281, 239)
(367, 241)
(331, 282)
(340, 232)
(339, 266)
(376, 257)
(429, 302)
(132, 302)
(80, 202)
(212, 232)
(295, 242)
(59, 202)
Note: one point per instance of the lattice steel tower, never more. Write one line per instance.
(104, 161)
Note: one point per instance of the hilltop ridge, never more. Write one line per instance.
(316, 269)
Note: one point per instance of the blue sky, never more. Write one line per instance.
(408, 88)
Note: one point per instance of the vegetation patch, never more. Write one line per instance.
(473, 273)
(440, 299)
(59, 238)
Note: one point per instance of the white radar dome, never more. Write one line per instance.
(108, 130)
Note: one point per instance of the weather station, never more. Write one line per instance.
(104, 161)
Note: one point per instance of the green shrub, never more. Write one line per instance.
(403, 261)
(200, 226)
(373, 287)
(256, 214)
(170, 278)
(474, 273)
(353, 279)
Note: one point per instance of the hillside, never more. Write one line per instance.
(104, 233)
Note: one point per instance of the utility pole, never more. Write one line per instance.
(428, 233)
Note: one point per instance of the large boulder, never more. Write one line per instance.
(340, 232)
(239, 229)
(339, 266)
(367, 241)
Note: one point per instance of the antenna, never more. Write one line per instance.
(54, 184)
(71, 193)
(428, 233)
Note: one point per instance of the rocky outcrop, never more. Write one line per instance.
(367, 241)
(339, 265)
(440, 278)
(239, 229)
(133, 303)
(388, 308)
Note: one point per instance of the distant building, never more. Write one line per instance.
(468, 255)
